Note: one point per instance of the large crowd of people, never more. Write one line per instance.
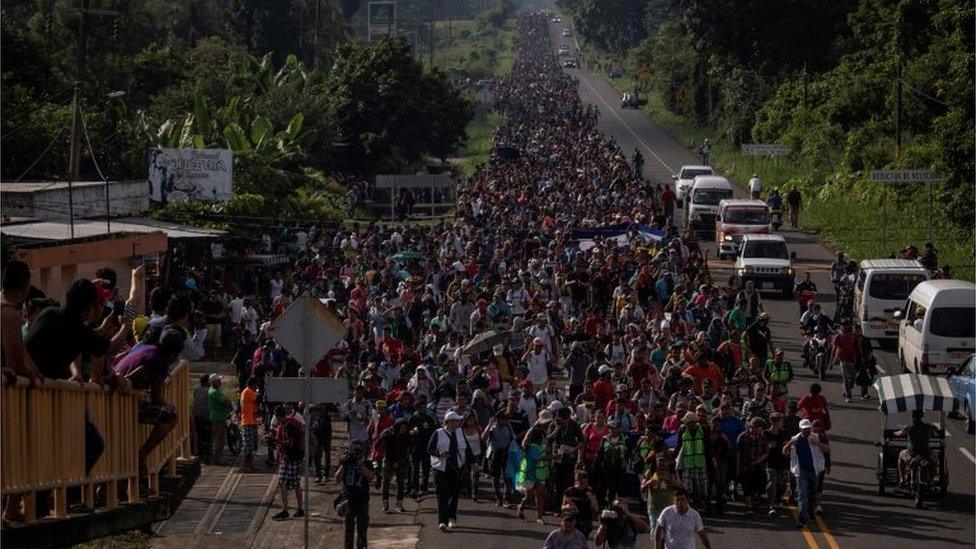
(557, 348)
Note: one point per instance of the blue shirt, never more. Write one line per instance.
(731, 427)
(804, 456)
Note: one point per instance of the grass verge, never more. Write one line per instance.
(849, 213)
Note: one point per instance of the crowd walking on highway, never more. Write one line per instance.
(560, 348)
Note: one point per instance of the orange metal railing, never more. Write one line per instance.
(42, 430)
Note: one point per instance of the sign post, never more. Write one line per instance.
(764, 149)
(307, 330)
(904, 177)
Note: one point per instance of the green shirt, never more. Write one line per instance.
(737, 319)
(220, 406)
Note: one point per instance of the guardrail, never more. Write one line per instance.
(43, 434)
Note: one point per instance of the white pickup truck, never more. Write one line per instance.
(766, 260)
(685, 179)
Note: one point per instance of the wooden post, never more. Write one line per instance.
(60, 501)
(30, 506)
(111, 493)
(133, 489)
(88, 494)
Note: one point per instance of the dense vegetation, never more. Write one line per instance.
(296, 103)
(820, 76)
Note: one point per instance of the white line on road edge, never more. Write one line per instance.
(626, 125)
(969, 456)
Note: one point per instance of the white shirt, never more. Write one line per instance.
(755, 185)
(276, 286)
(679, 531)
(236, 306)
(538, 371)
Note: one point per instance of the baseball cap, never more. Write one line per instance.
(806, 424)
(215, 377)
(452, 416)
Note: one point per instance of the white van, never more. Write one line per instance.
(685, 179)
(936, 327)
(881, 289)
(737, 217)
(702, 205)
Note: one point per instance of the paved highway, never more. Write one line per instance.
(854, 515)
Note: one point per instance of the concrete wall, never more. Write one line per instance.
(125, 198)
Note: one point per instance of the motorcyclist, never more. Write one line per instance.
(917, 435)
(814, 319)
(837, 269)
(805, 291)
(755, 186)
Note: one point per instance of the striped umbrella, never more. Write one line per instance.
(908, 392)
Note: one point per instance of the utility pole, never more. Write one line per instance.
(805, 83)
(901, 73)
(315, 57)
(74, 162)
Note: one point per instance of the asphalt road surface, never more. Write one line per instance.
(854, 515)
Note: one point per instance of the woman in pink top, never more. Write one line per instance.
(593, 434)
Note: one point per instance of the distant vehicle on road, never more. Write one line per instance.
(632, 101)
(936, 327)
(962, 379)
(881, 288)
(766, 260)
(685, 178)
(557, 20)
(566, 33)
(738, 217)
(701, 203)
(563, 50)
(570, 63)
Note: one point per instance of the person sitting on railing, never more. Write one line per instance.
(13, 357)
(61, 336)
(147, 366)
(179, 315)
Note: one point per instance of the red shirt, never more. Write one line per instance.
(668, 197)
(813, 407)
(603, 390)
(846, 345)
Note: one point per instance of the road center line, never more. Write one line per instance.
(626, 125)
(807, 534)
(826, 532)
(969, 456)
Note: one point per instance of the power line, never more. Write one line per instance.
(91, 150)
(44, 152)
(926, 96)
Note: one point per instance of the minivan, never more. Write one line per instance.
(936, 325)
(881, 289)
(685, 179)
(737, 217)
(702, 204)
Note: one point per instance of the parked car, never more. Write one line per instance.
(962, 379)
(632, 101)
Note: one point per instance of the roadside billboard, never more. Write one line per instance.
(184, 174)
(381, 19)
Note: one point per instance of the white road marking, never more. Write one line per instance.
(969, 456)
(626, 125)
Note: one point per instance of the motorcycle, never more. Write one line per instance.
(776, 218)
(817, 357)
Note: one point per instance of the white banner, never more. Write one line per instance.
(183, 174)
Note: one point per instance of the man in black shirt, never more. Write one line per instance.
(582, 499)
(60, 337)
(565, 439)
(777, 464)
(760, 338)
